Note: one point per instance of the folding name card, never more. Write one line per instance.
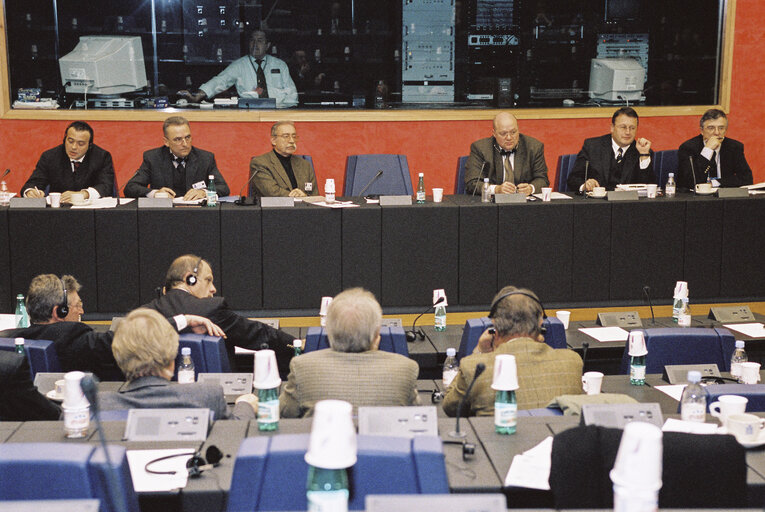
(232, 383)
(622, 195)
(436, 502)
(28, 202)
(408, 421)
(623, 319)
(678, 373)
(271, 322)
(395, 200)
(730, 314)
(155, 202)
(618, 415)
(167, 424)
(728, 193)
(391, 322)
(509, 198)
(277, 202)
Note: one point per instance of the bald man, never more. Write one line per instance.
(513, 162)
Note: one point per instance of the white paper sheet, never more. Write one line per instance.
(147, 482)
(337, 204)
(531, 469)
(689, 427)
(7, 321)
(673, 390)
(181, 201)
(604, 334)
(553, 196)
(754, 330)
(97, 204)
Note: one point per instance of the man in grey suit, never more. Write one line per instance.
(352, 369)
(280, 172)
(513, 162)
(178, 169)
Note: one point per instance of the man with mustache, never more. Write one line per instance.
(280, 172)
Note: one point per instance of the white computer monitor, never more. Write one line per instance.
(616, 80)
(104, 65)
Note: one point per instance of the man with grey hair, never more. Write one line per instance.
(352, 369)
(280, 172)
(543, 372)
(73, 299)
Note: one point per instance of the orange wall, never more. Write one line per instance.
(432, 147)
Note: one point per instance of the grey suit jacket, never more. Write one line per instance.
(271, 179)
(159, 393)
(485, 161)
(157, 170)
(361, 378)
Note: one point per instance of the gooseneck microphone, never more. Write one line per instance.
(693, 172)
(584, 185)
(647, 292)
(414, 334)
(585, 347)
(242, 198)
(479, 368)
(374, 178)
(479, 178)
(7, 171)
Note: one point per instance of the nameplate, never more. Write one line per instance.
(730, 314)
(622, 195)
(257, 103)
(155, 202)
(27, 202)
(395, 200)
(623, 319)
(232, 383)
(271, 322)
(167, 424)
(494, 502)
(277, 202)
(509, 198)
(728, 193)
(391, 322)
(678, 373)
(406, 421)
(618, 415)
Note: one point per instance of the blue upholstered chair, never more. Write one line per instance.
(664, 163)
(565, 164)
(755, 393)
(208, 353)
(392, 339)
(309, 159)
(385, 465)
(41, 354)
(459, 185)
(555, 335)
(361, 169)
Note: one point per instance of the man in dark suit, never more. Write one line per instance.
(614, 159)
(19, 398)
(76, 165)
(716, 158)
(189, 289)
(513, 162)
(178, 169)
(280, 172)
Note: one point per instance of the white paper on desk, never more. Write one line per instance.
(182, 201)
(553, 196)
(147, 482)
(604, 334)
(531, 469)
(754, 330)
(96, 204)
(337, 204)
(689, 427)
(756, 186)
(241, 350)
(673, 390)
(7, 321)
(126, 200)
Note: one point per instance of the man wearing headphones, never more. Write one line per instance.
(513, 162)
(76, 165)
(543, 372)
(77, 345)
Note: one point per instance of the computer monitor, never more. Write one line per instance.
(616, 80)
(104, 65)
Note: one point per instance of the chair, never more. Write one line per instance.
(41, 354)
(755, 393)
(361, 170)
(459, 185)
(34, 471)
(565, 164)
(208, 353)
(392, 339)
(692, 345)
(665, 163)
(385, 465)
(555, 335)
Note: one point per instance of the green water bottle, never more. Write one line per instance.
(268, 409)
(505, 412)
(327, 490)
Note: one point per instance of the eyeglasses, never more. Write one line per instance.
(178, 140)
(288, 136)
(626, 127)
(511, 133)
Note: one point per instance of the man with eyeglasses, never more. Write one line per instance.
(513, 162)
(73, 299)
(280, 172)
(177, 169)
(614, 159)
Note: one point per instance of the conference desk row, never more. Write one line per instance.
(578, 251)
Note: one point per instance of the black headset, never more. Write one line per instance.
(63, 308)
(191, 279)
(495, 305)
(195, 465)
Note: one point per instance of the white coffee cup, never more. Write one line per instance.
(703, 188)
(599, 192)
(161, 195)
(546, 194)
(638, 462)
(564, 317)
(746, 427)
(55, 199)
(726, 406)
(78, 198)
(60, 388)
(438, 195)
(750, 373)
(591, 382)
(650, 191)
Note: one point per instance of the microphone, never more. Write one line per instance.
(242, 198)
(374, 178)
(413, 334)
(693, 172)
(647, 292)
(586, 168)
(479, 368)
(7, 171)
(480, 176)
(585, 347)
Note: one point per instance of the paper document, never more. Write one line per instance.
(673, 390)
(7, 321)
(754, 330)
(553, 196)
(531, 469)
(689, 427)
(148, 482)
(96, 204)
(756, 186)
(604, 334)
(181, 201)
(337, 204)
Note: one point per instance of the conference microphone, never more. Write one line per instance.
(585, 347)
(414, 334)
(7, 171)
(242, 198)
(693, 172)
(479, 368)
(647, 292)
(374, 178)
(584, 185)
(480, 176)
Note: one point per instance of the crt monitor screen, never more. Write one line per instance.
(104, 65)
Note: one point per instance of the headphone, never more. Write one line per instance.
(195, 465)
(63, 307)
(468, 449)
(191, 279)
(495, 305)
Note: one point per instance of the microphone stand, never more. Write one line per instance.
(479, 178)
(412, 335)
(479, 368)
(646, 291)
(374, 178)
(243, 201)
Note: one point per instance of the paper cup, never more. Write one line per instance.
(438, 195)
(333, 436)
(750, 373)
(639, 459)
(650, 191)
(564, 317)
(546, 194)
(55, 199)
(60, 387)
(637, 344)
(599, 192)
(746, 427)
(591, 382)
(727, 405)
(704, 188)
(74, 398)
(266, 371)
(505, 373)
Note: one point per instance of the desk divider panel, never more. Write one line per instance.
(362, 247)
(241, 256)
(743, 248)
(117, 259)
(478, 253)
(7, 296)
(591, 250)
(703, 247)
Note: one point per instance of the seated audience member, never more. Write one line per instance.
(77, 345)
(280, 172)
(145, 347)
(352, 369)
(189, 289)
(543, 372)
(76, 165)
(19, 398)
(716, 158)
(73, 299)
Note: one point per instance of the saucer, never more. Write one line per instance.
(590, 194)
(52, 395)
(760, 441)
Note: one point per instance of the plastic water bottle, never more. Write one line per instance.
(268, 409)
(451, 367)
(22, 317)
(18, 346)
(440, 318)
(327, 490)
(421, 189)
(212, 193)
(693, 405)
(637, 370)
(505, 412)
(5, 197)
(739, 356)
(186, 368)
(670, 188)
(297, 345)
(485, 192)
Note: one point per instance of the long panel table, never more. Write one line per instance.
(279, 259)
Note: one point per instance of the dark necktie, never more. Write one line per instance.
(76, 165)
(619, 156)
(181, 163)
(261, 79)
(179, 176)
(713, 166)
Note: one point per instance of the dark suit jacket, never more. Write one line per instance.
(240, 331)
(529, 166)
(55, 169)
(272, 179)
(19, 398)
(599, 152)
(734, 168)
(157, 170)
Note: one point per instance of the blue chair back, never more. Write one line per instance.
(35, 471)
(385, 465)
(755, 393)
(555, 336)
(395, 180)
(565, 164)
(459, 185)
(392, 339)
(309, 159)
(684, 345)
(41, 354)
(208, 353)
(665, 163)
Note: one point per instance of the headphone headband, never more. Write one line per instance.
(495, 304)
(63, 307)
(192, 279)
